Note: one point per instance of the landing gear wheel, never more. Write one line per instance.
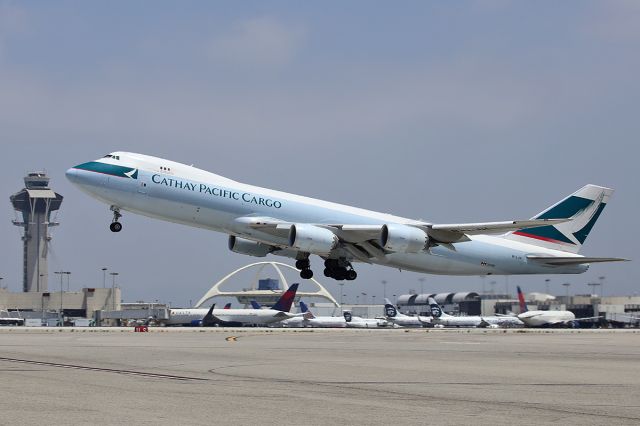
(351, 275)
(302, 264)
(340, 274)
(115, 227)
(328, 272)
(306, 274)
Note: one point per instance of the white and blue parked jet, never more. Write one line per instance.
(262, 221)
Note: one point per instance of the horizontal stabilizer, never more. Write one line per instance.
(573, 260)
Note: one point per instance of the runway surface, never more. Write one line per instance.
(276, 377)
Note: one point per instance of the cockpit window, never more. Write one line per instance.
(115, 157)
(108, 156)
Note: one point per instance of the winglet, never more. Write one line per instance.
(286, 300)
(523, 305)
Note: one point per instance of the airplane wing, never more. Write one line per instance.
(362, 242)
(572, 260)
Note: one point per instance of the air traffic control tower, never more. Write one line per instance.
(36, 202)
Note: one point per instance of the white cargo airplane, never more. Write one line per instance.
(492, 321)
(235, 317)
(260, 221)
(547, 318)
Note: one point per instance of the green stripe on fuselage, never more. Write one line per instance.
(109, 169)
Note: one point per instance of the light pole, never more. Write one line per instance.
(104, 277)
(61, 273)
(566, 286)
(113, 289)
(374, 299)
(493, 284)
(341, 284)
(1, 281)
(364, 298)
(601, 286)
(546, 285)
(395, 299)
(384, 289)
(68, 274)
(421, 279)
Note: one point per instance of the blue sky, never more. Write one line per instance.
(446, 111)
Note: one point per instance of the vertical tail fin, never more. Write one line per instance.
(305, 310)
(390, 311)
(227, 306)
(583, 207)
(436, 311)
(286, 300)
(255, 305)
(523, 305)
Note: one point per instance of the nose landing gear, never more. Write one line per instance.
(115, 226)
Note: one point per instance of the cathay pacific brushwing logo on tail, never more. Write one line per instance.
(133, 174)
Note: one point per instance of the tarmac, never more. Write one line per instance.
(317, 377)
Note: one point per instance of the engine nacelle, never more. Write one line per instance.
(248, 247)
(312, 239)
(403, 238)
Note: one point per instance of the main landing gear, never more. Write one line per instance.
(115, 226)
(339, 269)
(305, 268)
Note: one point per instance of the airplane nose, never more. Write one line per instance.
(72, 175)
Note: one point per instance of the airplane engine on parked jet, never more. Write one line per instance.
(312, 239)
(403, 238)
(248, 247)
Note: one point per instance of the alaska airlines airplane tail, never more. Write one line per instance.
(436, 310)
(523, 305)
(390, 310)
(582, 209)
(286, 300)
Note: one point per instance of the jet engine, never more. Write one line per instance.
(403, 238)
(312, 239)
(248, 247)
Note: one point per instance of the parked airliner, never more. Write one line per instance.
(394, 316)
(261, 221)
(235, 317)
(446, 320)
(547, 318)
(308, 319)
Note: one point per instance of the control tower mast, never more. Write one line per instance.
(36, 202)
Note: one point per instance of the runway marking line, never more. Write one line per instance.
(103, 370)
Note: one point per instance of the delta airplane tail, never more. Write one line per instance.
(523, 305)
(582, 209)
(286, 300)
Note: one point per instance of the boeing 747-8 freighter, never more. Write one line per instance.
(262, 221)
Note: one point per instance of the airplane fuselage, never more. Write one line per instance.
(187, 195)
(546, 318)
(240, 316)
